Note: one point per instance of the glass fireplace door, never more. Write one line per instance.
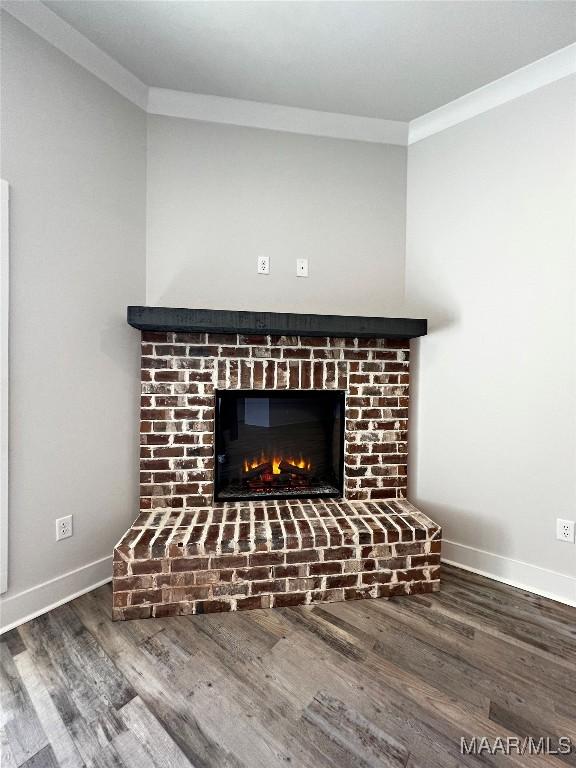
(278, 444)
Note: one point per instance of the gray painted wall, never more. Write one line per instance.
(73, 152)
(219, 196)
(491, 261)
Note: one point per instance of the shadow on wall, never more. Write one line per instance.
(121, 344)
(439, 319)
(236, 286)
(460, 525)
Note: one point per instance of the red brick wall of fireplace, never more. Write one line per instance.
(180, 372)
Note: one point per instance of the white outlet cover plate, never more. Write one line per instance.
(565, 530)
(263, 265)
(302, 267)
(64, 527)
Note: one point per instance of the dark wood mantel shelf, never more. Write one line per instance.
(278, 323)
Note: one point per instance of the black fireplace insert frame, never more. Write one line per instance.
(339, 395)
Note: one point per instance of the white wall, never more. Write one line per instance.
(491, 261)
(220, 195)
(73, 152)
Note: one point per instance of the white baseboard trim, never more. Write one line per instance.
(30, 603)
(515, 573)
(24, 606)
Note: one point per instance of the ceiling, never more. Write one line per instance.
(395, 60)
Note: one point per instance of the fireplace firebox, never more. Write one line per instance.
(279, 444)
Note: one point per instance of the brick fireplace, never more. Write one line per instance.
(187, 553)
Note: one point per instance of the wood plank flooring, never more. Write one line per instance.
(387, 683)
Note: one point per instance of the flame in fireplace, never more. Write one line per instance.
(300, 462)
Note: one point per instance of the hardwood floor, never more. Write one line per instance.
(365, 683)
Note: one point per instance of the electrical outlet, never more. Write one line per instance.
(263, 265)
(302, 267)
(565, 530)
(64, 527)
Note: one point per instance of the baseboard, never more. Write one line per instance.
(515, 573)
(26, 605)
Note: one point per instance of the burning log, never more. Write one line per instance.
(261, 469)
(292, 469)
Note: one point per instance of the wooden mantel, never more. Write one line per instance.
(279, 323)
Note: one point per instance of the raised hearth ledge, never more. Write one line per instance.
(237, 556)
(277, 323)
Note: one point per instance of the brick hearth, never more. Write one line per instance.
(185, 554)
(258, 555)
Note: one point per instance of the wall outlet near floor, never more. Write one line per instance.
(565, 530)
(263, 265)
(64, 527)
(302, 267)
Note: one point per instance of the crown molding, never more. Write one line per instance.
(48, 25)
(217, 109)
(554, 67)
(273, 117)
